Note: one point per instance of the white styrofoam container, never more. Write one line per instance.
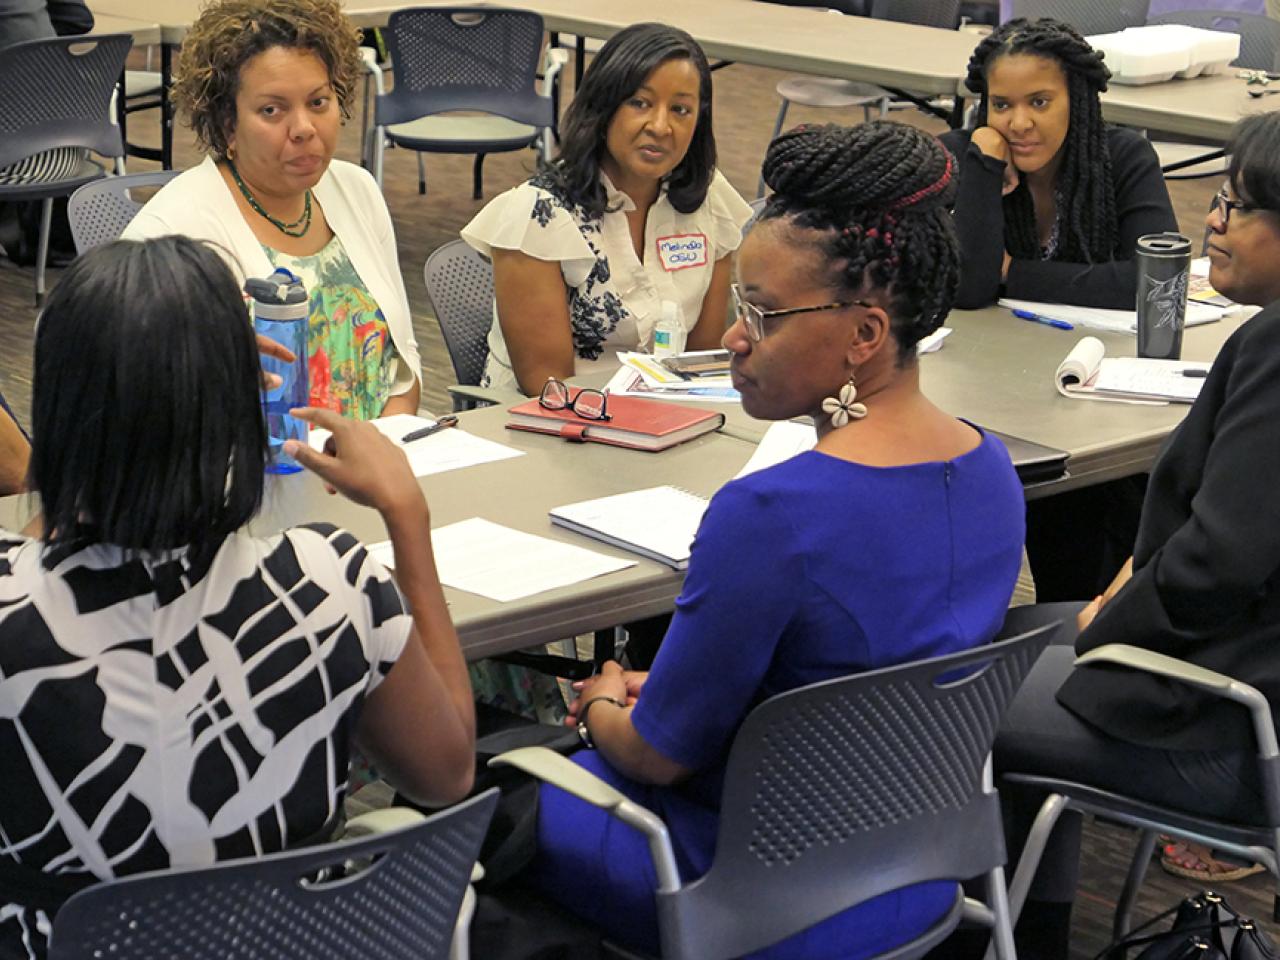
(1153, 54)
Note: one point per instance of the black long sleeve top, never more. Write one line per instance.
(1206, 570)
(1142, 207)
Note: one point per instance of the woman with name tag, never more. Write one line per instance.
(175, 691)
(631, 214)
(1051, 200)
(1203, 584)
(898, 537)
(265, 87)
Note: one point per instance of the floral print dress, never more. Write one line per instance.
(351, 359)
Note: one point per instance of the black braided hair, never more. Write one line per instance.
(880, 192)
(1085, 191)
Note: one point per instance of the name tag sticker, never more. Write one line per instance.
(682, 251)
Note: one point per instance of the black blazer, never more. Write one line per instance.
(1206, 581)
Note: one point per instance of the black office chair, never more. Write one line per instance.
(56, 106)
(473, 59)
(836, 793)
(99, 211)
(403, 905)
(1088, 16)
(1258, 843)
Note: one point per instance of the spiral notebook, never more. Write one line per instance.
(657, 522)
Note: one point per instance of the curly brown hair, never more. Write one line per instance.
(229, 33)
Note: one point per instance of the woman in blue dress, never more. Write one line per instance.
(898, 537)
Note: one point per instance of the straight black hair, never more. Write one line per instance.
(617, 72)
(1254, 170)
(147, 426)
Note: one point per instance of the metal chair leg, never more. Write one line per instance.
(42, 250)
(1133, 883)
(1002, 927)
(422, 176)
(777, 129)
(477, 177)
(364, 125)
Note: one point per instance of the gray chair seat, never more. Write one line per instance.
(451, 134)
(829, 92)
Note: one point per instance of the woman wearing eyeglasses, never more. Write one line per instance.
(1203, 584)
(898, 537)
(632, 213)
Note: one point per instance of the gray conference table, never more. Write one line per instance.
(144, 32)
(994, 370)
(922, 60)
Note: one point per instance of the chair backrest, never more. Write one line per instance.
(460, 284)
(100, 211)
(464, 58)
(401, 907)
(1259, 36)
(1088, 16)
(57, 93)
(756, 206)
(844, 790)
(928, 13)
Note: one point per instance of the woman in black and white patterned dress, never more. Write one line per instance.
(173, 691)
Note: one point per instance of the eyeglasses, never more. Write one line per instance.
(586, 403)
(753, 317)
(1223, 205)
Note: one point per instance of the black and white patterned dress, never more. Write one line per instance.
(157, 713)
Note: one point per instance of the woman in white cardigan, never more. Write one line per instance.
(265, 87)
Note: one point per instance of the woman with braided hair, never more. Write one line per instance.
(897, 538)
(1051, 200)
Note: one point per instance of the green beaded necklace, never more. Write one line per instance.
(288, 229)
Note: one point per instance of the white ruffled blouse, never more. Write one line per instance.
(615, 300)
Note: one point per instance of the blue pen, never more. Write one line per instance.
(1047, 321)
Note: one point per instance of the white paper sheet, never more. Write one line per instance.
(782, 441)
(449, 449)
(494, 561)
(627, 382)
(1112, 321)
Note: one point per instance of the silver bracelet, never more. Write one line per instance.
(583, 733)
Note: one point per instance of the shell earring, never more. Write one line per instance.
(845, 407)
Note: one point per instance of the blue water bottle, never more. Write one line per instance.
(281, 312)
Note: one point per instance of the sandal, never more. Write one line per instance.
(1196, 862)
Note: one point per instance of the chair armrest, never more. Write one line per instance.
(476, 396)
(370, 58)
(559, 771)
(1210, 681)
(557, 58)
(381, 821)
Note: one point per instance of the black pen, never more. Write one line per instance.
(1192, 372)
(444, 423)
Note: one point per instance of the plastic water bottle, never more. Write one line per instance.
(281, 312)
(669, 335)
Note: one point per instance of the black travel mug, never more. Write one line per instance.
(1164, 264)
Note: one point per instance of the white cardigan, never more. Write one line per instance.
(198, 204)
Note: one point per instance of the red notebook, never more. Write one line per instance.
(635, 422)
